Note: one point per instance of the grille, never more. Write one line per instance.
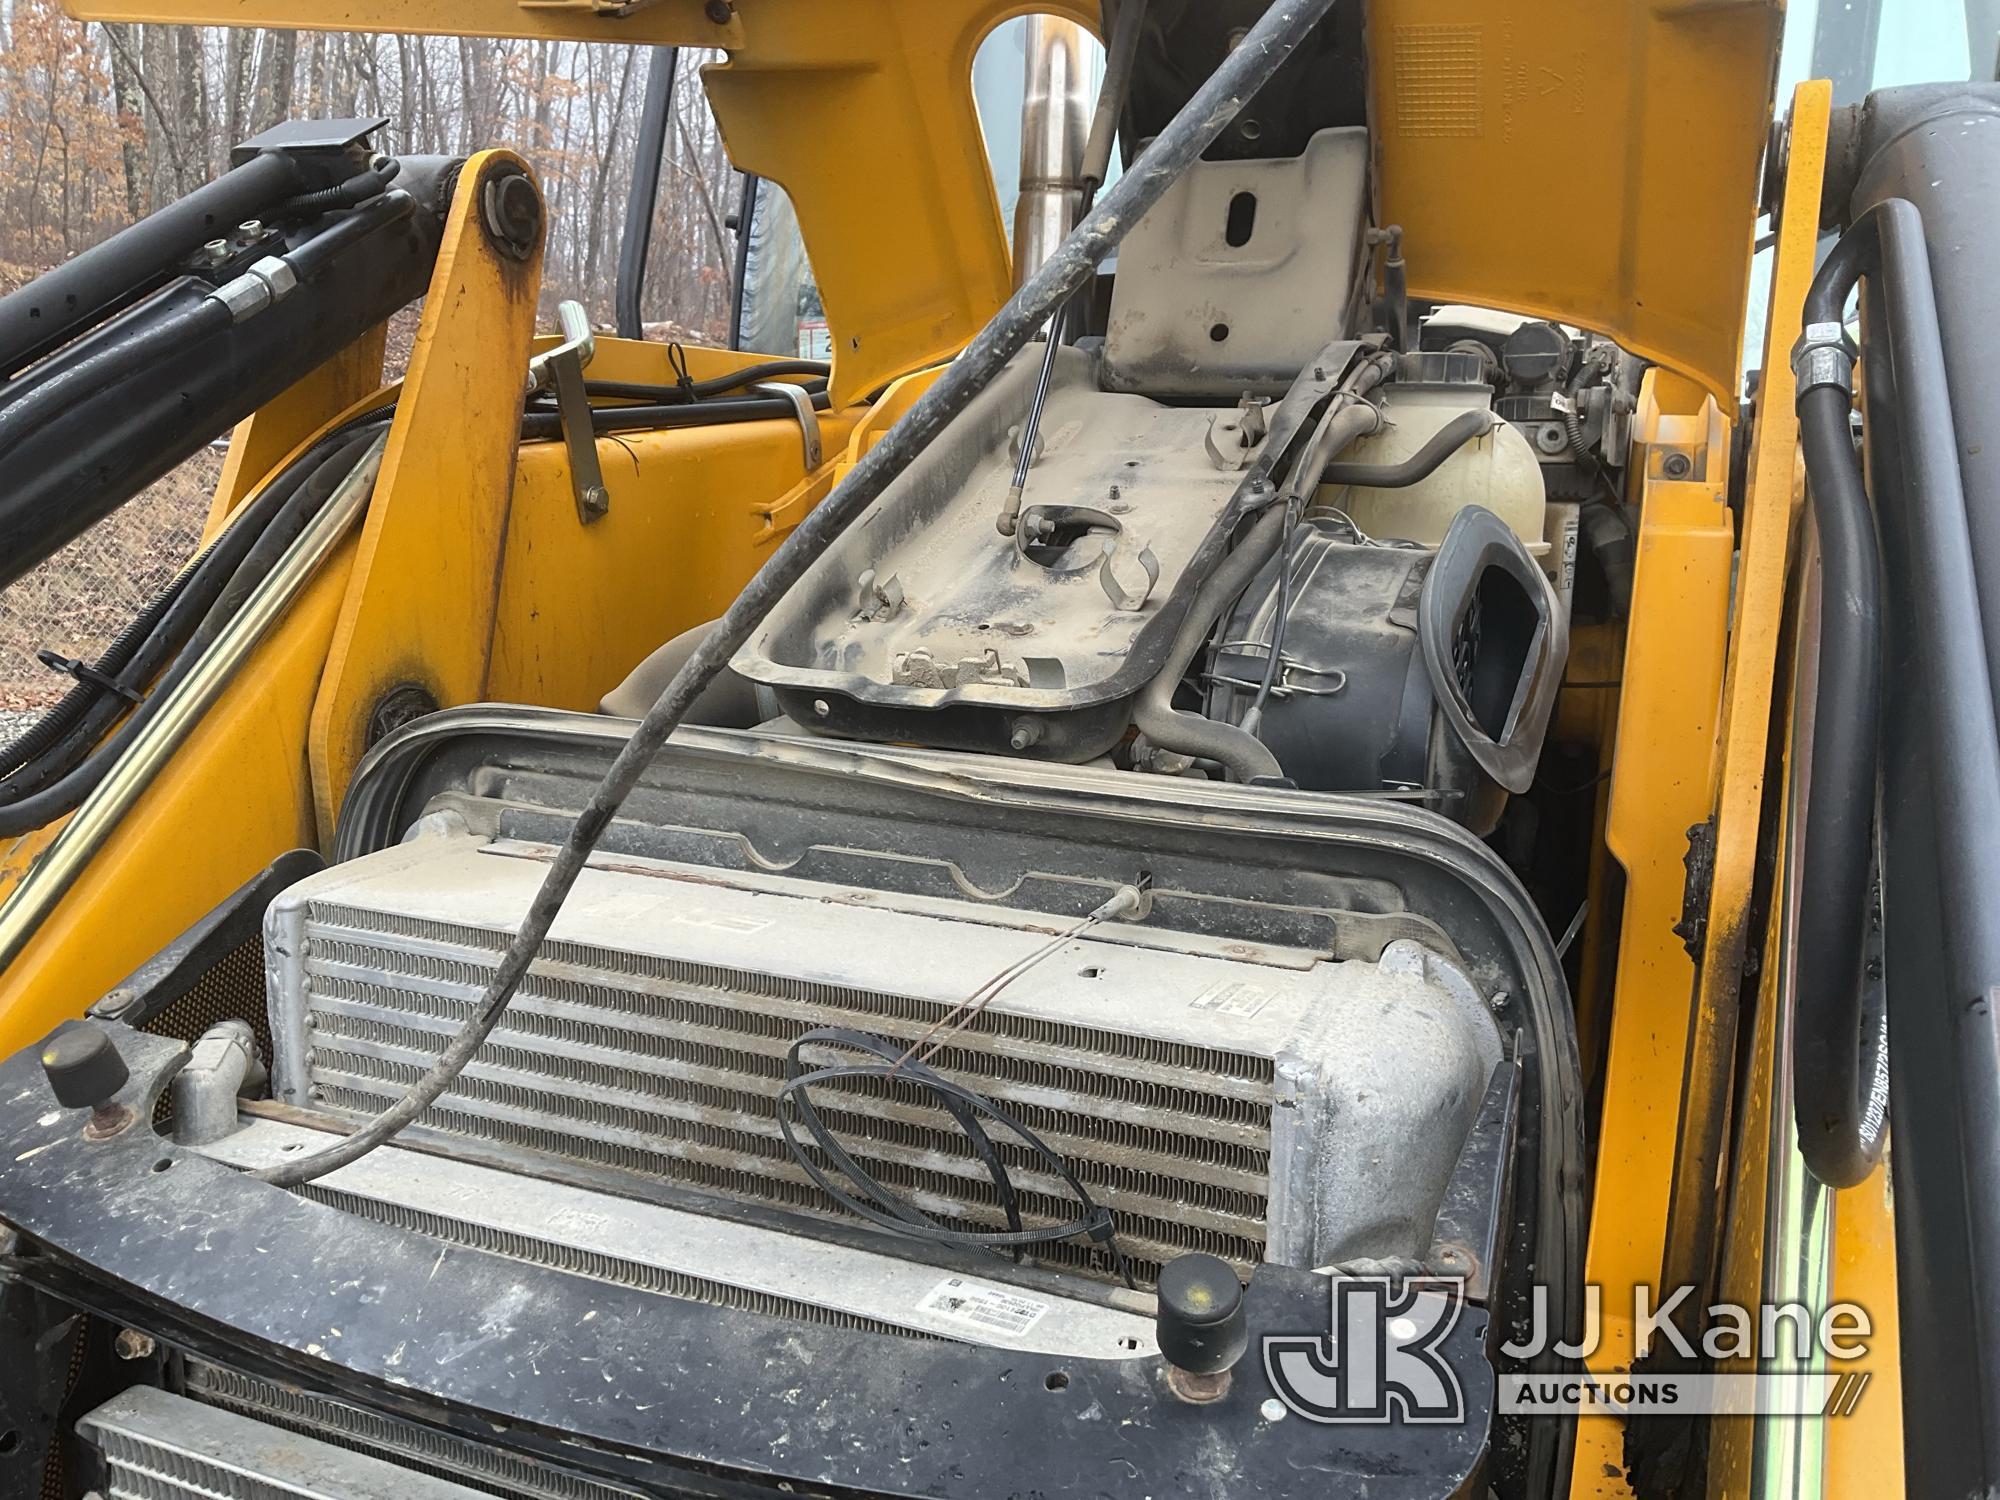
(441, 1455)
(1209, 1103)
(158, 1446)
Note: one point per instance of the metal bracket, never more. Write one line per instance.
(802, 407)
(562, 367)
(1122, 598)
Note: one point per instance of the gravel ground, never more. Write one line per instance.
(14, 720)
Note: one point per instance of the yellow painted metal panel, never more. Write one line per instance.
(1661, 785)
(665, 23)
(906, 239)
(580, 606)
(1579, 159)
(231, 799)
(1864, 1452)
(1589, 160)
(420, 606)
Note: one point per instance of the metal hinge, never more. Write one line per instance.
(1692, 928)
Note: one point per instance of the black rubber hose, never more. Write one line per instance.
(179, 610)
(1419, 466)
(32, 408)
(1241, 73)
(719, 385)
(357, 189)
(1609, 537)
(1831, 1095)
(542, 424)
(33, 811)
(1239, 751)
(62, 717)
(55, 307)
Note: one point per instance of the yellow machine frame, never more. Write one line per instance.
(1639, 138)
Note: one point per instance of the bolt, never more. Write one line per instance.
(1273, 1410)
(215, 252)
(596, 499)
(251, 229)
(1027, 732)
(403, 704)
(511, 211)
(132, 1344)
(1197, 1390)
(1677, 466)
(719, 11)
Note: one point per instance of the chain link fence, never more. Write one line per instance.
(77, 601)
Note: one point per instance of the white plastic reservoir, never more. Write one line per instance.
(1498, 471)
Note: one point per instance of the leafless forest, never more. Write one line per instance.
(99, 125)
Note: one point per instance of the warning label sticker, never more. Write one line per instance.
(978, 1305)
(1232, 997)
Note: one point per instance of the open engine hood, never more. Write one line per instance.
(1592, 161)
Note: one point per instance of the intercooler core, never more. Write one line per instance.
(1255, 1102)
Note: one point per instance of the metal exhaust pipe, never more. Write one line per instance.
(1055, 119)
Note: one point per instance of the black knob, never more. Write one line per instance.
(84, 1067)
(1200, 1321)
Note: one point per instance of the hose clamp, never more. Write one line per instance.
(1824, 355)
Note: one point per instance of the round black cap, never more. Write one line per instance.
(1200, 1321)
(84, 1067)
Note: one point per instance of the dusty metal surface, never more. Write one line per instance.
(922, 608)
(1235, 278)
(226, 1268)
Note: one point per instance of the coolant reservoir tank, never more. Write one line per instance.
(1499, 471)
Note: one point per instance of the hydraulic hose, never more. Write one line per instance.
(63, 716)
(53, 308)
(70, 730)
(701, 390)
(1245, 70)
(1840, 1135)
(543, 424)
(34, 810)
(357, 189)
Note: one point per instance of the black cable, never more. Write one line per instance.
(186, 603)
(875, 1203)
(543, 423)
(32, 810)
(369, 183)
(1247, 68)
(719, 385)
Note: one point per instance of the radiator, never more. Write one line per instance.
(159, 1446)
(1252, 1102)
